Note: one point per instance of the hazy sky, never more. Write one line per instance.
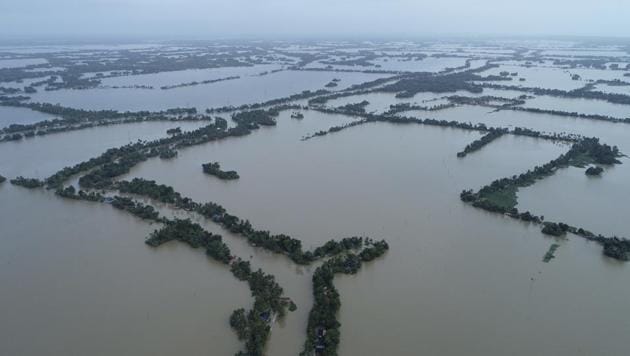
(295, 18)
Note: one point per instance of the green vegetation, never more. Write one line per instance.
(594, 171)
(78, 119)
(252, 326)
(167, 153)
(371, 117)
(282, 244)
(138, 209)
(569, 114)
(500, 195)
(323, 327)
(583, 93)
(193, 235)
(358, 108)
(555, 229)
(480, 143)
(214, 169)
(550, 254)
(174, 131)
(30, 183)
(415, 83)
(70, 193)
(190, 84)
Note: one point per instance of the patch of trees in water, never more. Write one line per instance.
(78, 119)
(582, 93)
(251, 326)
(358, 108)
(500, 195)
(280, 243)
(371, 117)
(483, 141)
(569, 114)
(550, 254)
(117, 161)
(214, 169)
(194, 83)
(167, 153)
(323, 333)
(398, 108)
(594, 171)
(415, 83)
(30, 183)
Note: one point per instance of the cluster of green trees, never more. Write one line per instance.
(483, 141)
(587, 150)
(358, 108)
(584, 93)
(174, 131)
(570, 114)
(103, 176)
(398, 108)
(500, 195)
(75, 67)
(192, 234)
(279, 243)
(371, 117)
(70, 192)
(415, 83)
(117, 161)
(214, 169)
(256, 117)
(77, 119)
(167, 153)
(30, 183)
(594, 171)
(251, 326)
(550, 254)
(555, 229)
(487, 100)
(145, 212)
(306, 94)
(323, 327)
(354, 90)
(193, 83)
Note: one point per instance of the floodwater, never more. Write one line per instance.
(41, 156)
(18, 63)
(78, 279)
(259, 89)
(453, 272)
(13, 115)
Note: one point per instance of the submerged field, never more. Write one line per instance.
(398, 198)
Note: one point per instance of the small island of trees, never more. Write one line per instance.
(594, 171)
(214, 169)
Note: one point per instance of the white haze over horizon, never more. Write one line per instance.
(200, 19)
